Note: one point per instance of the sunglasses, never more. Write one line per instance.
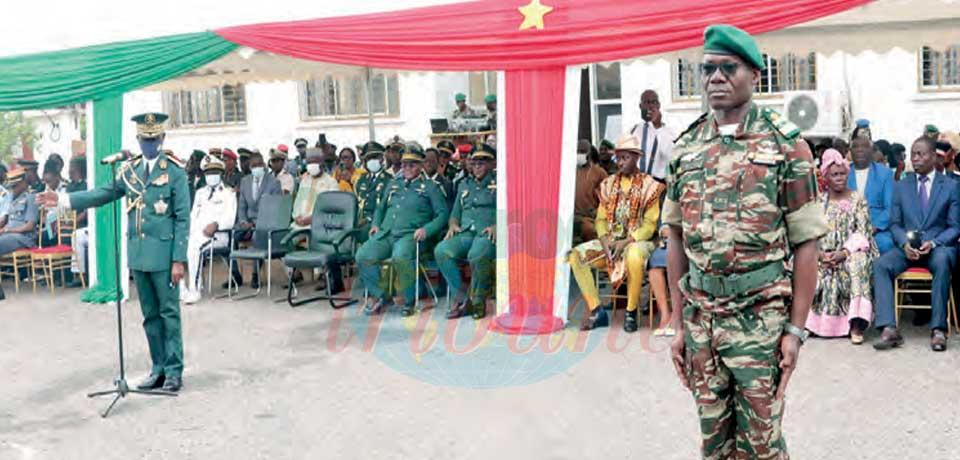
(727, 68)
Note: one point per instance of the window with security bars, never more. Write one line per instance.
(787, 73)
(345, 96)
(940, 70)
(225, 104)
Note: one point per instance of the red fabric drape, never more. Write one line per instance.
(534, 99)
(485, 35)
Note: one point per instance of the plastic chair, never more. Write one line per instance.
(273, 222)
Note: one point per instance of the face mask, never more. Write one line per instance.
(374, 165)
(150, 148)
(257, 172)
(313, 169)
(213, 180)
(581, 159)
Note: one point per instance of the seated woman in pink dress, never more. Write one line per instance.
(843, 304)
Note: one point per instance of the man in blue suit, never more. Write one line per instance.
(925, 223)
(875, 183)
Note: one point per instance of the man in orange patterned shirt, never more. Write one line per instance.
(626, 222)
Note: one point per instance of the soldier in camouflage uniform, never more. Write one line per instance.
(741, 197)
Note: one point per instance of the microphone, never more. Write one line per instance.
(119, 156)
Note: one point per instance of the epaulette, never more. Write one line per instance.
(692, 126)
(175, 160)
(780, 123)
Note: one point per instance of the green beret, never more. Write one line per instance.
(460, 97)
(729, 40)
(490, 98)
(932, 129)
(607, 144)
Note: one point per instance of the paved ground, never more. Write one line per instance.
(267, 382)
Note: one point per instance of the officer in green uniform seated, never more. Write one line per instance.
(411, 210)
(370, 186)
(158, 212)
(472, 237)
(447, 149)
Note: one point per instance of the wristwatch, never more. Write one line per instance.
(801, 334)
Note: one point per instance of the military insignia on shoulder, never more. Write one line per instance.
(173, 159)
(780, 123)
(692, 126)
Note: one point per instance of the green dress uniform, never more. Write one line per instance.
(404, 206)
(743, 199)
(158, 215)
(475, 209)
(369, 189)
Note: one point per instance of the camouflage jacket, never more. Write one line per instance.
(744, 199)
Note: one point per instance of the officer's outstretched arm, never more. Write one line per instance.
(96, 197)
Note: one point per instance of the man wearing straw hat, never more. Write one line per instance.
(626, 221)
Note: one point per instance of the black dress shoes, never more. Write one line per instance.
(597, 318)
(173, 384)
(479, 310)
(459, 310)
(152, 382)
(630, 322)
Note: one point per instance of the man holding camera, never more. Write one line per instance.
(925, 222)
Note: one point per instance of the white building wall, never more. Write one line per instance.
(273, 117)
(56, 130)
(883, 88)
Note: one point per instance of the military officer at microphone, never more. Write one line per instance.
(158, 212)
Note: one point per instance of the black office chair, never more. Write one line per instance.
(330, 239)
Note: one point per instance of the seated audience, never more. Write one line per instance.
(431, 170)
(278, 161)
(899, 156)
(605, 157)
(657, 274)
(214, 209)
(312, 183)
(874, 182)
(626, 220)
(5, 196)
(447, 150)
(81, 237)
(19, 227)
(369, 188)
(472, 237)
(252, 188)
(52, 182)
(925, 222)
(347, 172)
(842, 303)
(232, 177)
(412, 211)
(589, 177)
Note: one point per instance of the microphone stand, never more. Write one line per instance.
(122, 388)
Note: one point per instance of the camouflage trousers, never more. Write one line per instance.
(732, 364)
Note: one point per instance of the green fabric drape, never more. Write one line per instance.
(107, 137)
(59, 78)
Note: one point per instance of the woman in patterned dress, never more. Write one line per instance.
(843, 302)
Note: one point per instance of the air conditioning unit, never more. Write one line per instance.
(816, 113)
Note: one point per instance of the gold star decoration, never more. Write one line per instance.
(533, 15)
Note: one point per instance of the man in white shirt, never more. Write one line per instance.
(214, 209)
(312, 183)
(655, 138)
